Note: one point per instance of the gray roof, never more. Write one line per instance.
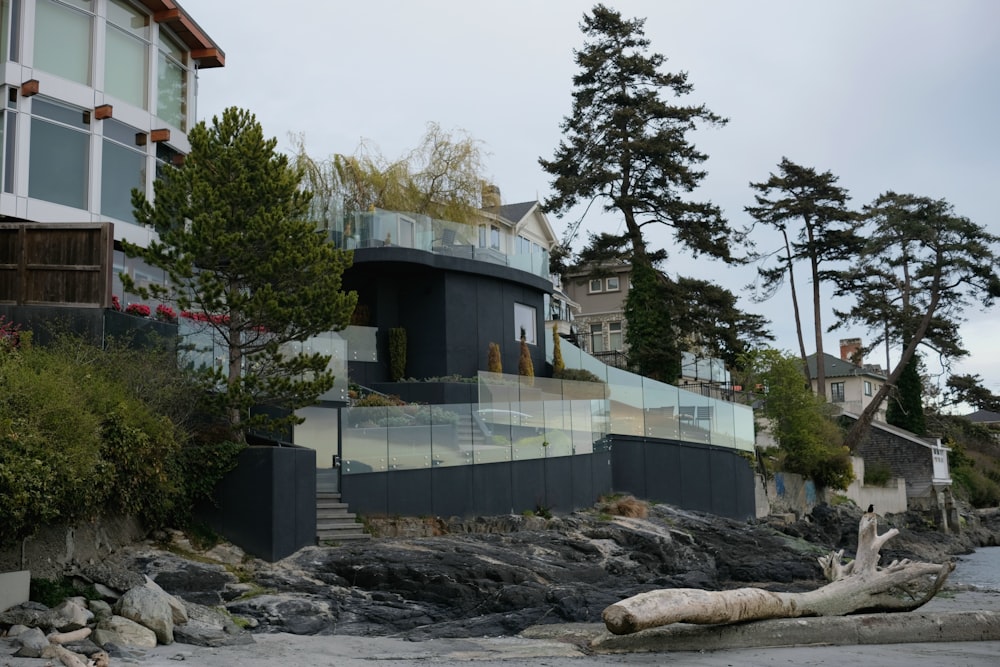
(834, 367)
(984, 417)
(924, 441)
(516, 212)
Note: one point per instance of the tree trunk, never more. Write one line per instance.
(858, 586)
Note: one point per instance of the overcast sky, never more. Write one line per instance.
(897, 95)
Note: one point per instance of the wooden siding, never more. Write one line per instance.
(56, 264)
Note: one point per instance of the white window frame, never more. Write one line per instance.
(525, 318)
(613, 280)
(600, 286)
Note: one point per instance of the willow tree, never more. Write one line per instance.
(243, 260)
(920, 268)
(442, 177)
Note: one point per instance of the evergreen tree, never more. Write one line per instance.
(525, 367)
(905, 408)
(624, 144)
(558, 365)
(240, 253)
(921, 266)
(827, 234)
(653, 348)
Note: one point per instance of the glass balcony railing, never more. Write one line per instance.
(380, 229)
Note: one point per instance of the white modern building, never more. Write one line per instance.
(98, 94)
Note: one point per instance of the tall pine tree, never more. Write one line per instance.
(239, 251)
(627, 145)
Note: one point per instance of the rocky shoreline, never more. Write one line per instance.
(497, 576)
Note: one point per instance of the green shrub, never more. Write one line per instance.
(397, 354)
(877, 473)
(577, 375)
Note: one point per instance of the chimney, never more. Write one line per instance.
(850, 350)
(491, 196)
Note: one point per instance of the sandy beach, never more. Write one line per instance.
(349, 651)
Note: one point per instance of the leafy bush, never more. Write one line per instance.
(877, 473)
(85, 431)
(577, 375)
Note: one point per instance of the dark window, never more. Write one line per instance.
(837, 392)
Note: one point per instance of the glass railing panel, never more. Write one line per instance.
(573, 390)
(496, 423)
(361, 343)
(318, 432)
(498, 388)
(408, 430)
(558, 428)
(743, 427)
(723, 426)
(625, 391)
(660, 403)
(581, 422)
(453, 431)
(365, 440)
(695, 414)
(547, 389)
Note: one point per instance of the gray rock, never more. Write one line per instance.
(31, 614)
(176, 604)
(72, 616)
(120, 631)
(150, 608)
(111, 576)
(292, 613)
(32, 642)
(100, 609)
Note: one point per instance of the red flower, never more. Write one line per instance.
(115, 303)
(165, 313)
(140, 309)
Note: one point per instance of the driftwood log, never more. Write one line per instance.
(857, 586)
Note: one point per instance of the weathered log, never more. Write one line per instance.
(859, 586)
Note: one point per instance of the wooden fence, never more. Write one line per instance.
(56, 264)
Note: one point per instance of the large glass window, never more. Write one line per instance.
(597, 338)
(123, 167)
(60, 153)
(126, 57)
(10, 135)
(524, 323)
(63, 38)
(172, 78)
(615, 335)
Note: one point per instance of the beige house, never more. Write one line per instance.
(601, 296)
(850, 383)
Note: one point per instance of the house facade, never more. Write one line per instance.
(850, 383)
(98, 95)
(601, 296)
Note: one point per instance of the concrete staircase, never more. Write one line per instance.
(334, 523)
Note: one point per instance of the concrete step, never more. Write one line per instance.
(334, 523)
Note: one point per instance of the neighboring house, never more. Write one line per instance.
(985, 417)
(601, 322)
(921, 462)
(850, 384)
(455, 288)
(99, 94)
(562, 312)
